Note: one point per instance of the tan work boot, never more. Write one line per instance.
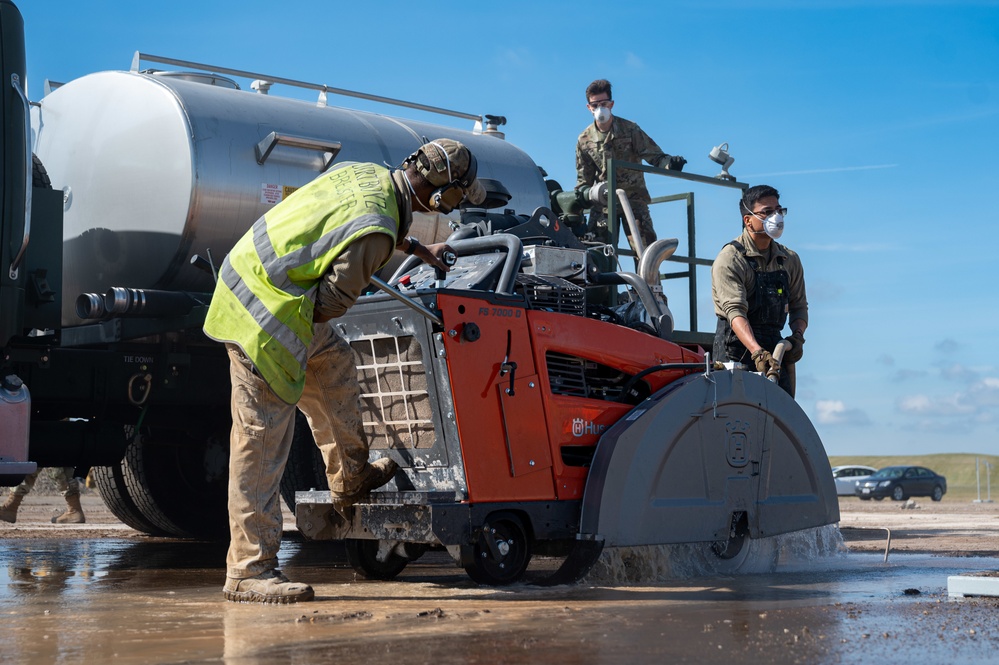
(8, 511)
(268, 587)
(374, 476)
(73, 514)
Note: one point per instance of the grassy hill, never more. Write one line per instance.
(958, 468)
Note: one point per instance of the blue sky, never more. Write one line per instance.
(877, 120)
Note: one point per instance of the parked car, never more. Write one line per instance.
(846, 477)
(901, 482)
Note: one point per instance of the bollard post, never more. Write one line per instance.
(978, 482)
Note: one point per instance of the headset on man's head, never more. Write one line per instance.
(447, 197)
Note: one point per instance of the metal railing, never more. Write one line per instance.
(323, 89)
(691, 260)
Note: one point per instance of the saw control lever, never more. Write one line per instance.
(508, 366)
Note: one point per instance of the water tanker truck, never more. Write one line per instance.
(536, 397)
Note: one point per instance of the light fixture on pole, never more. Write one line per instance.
(719, 154)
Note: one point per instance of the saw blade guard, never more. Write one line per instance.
(704, 453)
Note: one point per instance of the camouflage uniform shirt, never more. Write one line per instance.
(733, 279)
(625, 141)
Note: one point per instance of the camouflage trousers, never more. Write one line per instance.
(61, 475)
(262, 429)
(598, 224)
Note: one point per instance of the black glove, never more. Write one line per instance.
(676, 163)
(797, 342)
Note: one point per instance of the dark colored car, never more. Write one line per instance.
(901, 482)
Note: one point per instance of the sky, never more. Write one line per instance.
(877, 120)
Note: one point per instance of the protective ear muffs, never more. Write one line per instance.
(447, 198)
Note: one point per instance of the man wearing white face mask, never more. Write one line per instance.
(608, 137)
(758, 285)
(303, 263)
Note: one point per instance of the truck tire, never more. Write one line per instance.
(180, 484)
(306, 469)
(110, 482)
(39, 176)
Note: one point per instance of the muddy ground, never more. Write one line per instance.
(101, 592)
(919, 526)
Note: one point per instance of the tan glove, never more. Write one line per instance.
(764, 361)
(797, 342)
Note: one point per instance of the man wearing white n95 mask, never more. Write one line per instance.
(758, 285)
(608, 137)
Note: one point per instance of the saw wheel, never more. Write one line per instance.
(740, 552)
(500, 553)
(381, 559)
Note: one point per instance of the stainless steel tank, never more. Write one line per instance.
(156, 168)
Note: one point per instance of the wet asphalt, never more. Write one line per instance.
(127, 600)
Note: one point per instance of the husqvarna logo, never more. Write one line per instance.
(582, 427)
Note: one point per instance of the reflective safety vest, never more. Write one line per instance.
(265, 296)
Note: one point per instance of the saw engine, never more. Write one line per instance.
(527, 420)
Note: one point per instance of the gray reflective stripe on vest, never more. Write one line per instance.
(278, 268)
(267, 322)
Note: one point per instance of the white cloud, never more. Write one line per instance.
(978, 404)
(632, 61)
(985, 393)
(959, 373)
(915, 404)
(957, 404)
(519, 58)
(835, 412)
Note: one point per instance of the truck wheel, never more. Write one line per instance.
(180, 484)
(111, 486)
(363, 557)
(306, 469)
(39, 176)
(501, 552)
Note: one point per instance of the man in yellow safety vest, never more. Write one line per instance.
(303, 263)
